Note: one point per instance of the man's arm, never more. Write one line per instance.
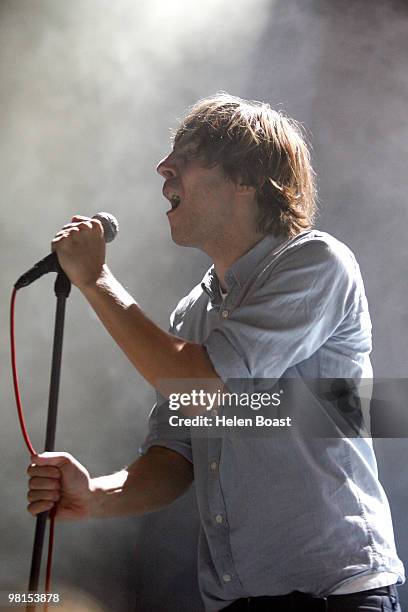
(157, 354)
(152, 482)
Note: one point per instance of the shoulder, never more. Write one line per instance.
(316, 241)
(312, 269)
(321, 251)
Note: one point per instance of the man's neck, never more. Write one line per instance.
(226, 259)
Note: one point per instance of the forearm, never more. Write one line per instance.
(158, 355)
(150, 483)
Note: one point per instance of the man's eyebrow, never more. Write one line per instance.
(186, 146)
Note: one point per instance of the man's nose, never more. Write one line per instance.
(166, 168)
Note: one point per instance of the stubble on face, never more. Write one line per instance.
(205, 219)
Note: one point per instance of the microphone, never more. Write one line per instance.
(50, 262)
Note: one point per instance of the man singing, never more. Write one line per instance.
(297, 522)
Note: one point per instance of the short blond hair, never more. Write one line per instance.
(260, 147)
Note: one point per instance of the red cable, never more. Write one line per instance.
(15, 377)
(27, 440)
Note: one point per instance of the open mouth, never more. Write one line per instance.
(175, 202)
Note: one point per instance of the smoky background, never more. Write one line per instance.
(88, 92)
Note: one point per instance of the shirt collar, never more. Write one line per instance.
(241, 269)
(210, 284)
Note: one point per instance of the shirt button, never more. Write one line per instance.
(214, 412)
(218, 518)
(226, 578)
(225, 314)
(213, 465)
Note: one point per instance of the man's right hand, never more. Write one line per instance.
(150, 483)
(58, 478)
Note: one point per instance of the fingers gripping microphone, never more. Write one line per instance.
(50, 262)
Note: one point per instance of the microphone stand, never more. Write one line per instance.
(62, 290)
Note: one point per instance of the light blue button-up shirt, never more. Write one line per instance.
(286, 512)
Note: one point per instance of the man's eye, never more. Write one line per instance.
(186, 153)
(186, 157)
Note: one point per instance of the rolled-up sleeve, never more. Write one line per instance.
(291, 311)
(161, 434)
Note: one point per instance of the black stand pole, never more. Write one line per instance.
(62, 290)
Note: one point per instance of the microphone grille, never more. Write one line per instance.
(110, 225)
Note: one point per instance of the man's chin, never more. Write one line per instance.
(181, 240)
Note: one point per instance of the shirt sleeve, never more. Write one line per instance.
(162, 434)
(289, 314)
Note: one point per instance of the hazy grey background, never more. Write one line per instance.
(88, 91)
